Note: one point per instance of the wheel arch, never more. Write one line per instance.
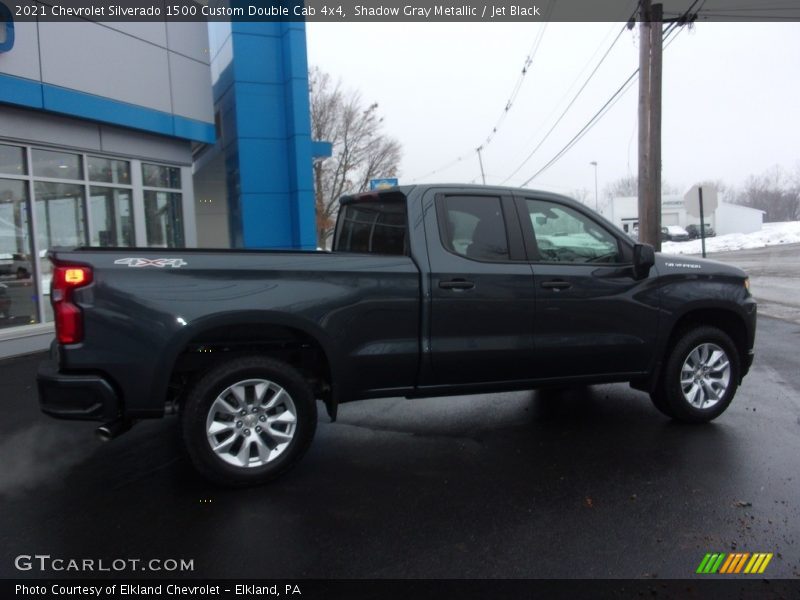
(205, 341)
(725, 319)
(722, 317)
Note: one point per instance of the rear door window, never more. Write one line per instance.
(473, 227)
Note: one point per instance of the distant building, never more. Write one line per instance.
(623, 211)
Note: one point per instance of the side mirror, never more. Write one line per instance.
(644, 257)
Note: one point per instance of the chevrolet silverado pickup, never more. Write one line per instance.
(429, 291)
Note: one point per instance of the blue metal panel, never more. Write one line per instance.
(321, 149)
(294, 50)
(295, 65)
(256, 27)
(97, 108)
(264, 166)
(297, 98)
(256, 58)
(79, 104)
(33, 94)
(266, 216)
(266, 130)
(192, 129)
(260, 106)
(20, 91)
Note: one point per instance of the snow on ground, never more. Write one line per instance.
(771, 234)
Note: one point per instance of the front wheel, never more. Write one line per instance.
(248, 421)
(700, 376)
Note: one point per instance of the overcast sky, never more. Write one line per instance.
(731, 101)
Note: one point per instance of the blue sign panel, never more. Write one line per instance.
(382, 184)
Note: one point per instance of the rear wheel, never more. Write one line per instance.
(700, 376)
(248, 421)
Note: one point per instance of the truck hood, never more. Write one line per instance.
(677, 263)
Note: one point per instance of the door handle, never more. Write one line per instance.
(456, 284)
(556, 284)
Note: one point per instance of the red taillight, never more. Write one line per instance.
(69, 317)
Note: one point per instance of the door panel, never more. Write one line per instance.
(593, 317)
(482, 301)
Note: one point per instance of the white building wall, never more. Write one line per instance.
(728, 218)
(732, 218)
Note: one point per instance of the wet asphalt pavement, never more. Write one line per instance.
(774, 278)
(584, 483)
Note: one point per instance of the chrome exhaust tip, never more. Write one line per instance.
(113, 429)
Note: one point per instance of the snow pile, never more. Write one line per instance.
(771, 234)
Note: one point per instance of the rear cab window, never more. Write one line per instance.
(372, 224)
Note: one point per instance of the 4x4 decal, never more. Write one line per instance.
(175, 263)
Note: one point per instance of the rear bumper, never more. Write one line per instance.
(82, 397)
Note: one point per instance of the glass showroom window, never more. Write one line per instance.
(12, 160)
(106, 170)
(17, 287)
(163, 208)
(112, 217)
(111, 208)
(160, 176)
(59, 214)
(164, 218)
(56, 165)
(59, 205)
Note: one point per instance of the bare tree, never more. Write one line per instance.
(629, 186)
(361, 150)
(624, 186)
(775, 192)
(582, 196)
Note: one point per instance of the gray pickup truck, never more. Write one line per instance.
(429, 291)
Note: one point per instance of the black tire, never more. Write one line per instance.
(669, 396)
(241, 373)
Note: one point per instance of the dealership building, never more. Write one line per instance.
(146, 134)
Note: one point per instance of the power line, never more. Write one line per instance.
(615, 97)
(577, 95)
(520, 80)
(571, 86)
(526, 67)
(566, 110)
(584, 129)
(595, 118)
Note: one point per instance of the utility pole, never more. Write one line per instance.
(644, 119)
(650, 46)
(596, 201)
(480, 161)
(656, 48)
